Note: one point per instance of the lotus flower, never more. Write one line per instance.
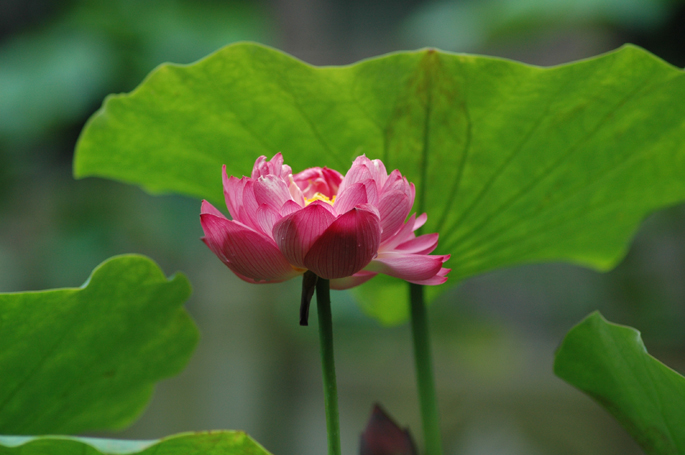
(344, 229)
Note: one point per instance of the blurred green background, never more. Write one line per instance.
(255, 368)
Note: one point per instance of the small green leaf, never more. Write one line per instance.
(202, 443)
(609, 362)
(513, 163)
(74, 360)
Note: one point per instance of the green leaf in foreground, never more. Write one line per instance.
(74, 360)
(513, 163)
(609, 362)
(202, 443)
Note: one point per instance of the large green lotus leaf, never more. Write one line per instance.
(609, 362)
(204, 443)
(513, 163)
(73, 360)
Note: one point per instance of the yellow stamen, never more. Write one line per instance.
(319, 197)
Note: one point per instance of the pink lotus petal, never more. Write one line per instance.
(271, 190)
(247, 253)
(290, 207)
(296, 233)
(405, 234)
(208, 208)
(247, 213)
(347, 246)
(272, 167)
(233, 193)
(358, 173)
(407, 266)
(354, 195)
(266, 217)
(439, 278)
(318, 180)
(420, 221)
(423, 244)
(348, 282)
(394, 208)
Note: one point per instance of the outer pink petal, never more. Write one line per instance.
(296, 233)
(347, 246)
(271, 190)
(248, 253)
(208, 208)
(247, 211)
(409, 267)
(420, 221)
(352, 281)
(266, 217)
(233, 192)
(422, 244)
(439, 278)
(405, 234)
(394, 207)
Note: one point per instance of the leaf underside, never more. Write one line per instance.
(609, 362)
(75, 360)
(202, 443)
(513, 163)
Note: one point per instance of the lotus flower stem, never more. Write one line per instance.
(424, 372)
(330, 388)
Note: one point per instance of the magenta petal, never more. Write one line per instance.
(351, 281)
(296, 233)
(423, 244)
(347, 246)
(410, 267)
(439, 278)
(248, 253)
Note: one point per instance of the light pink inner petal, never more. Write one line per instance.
(347, 246)
(378, 172)
(422, 244)
(354, 195)
(272, 167)
(294, 234)
(246, 252)
(271, 190)
(351, 281)
(357, 173)
(248, 210)
(394, 208)
(290, 207)
(266, 217)
(410, 267)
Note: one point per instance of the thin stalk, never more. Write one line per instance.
(330, 388)
(425, 379)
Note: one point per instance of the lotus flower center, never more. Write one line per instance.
(319, 197)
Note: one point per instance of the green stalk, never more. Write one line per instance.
(330, 388)
(424, 372)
